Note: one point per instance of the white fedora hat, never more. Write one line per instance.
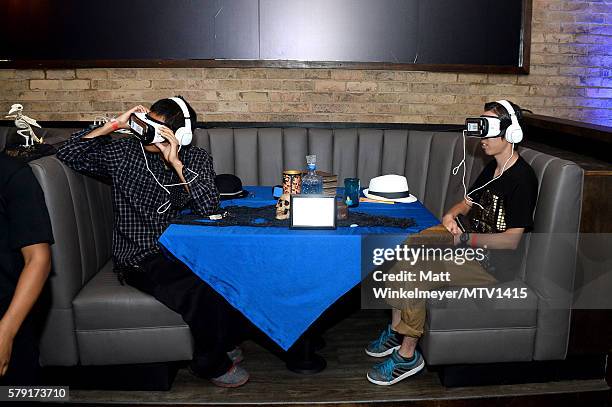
(389, 188)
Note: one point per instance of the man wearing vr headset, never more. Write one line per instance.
(494, 214)
(154, 175)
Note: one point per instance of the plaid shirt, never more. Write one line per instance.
(136, 196)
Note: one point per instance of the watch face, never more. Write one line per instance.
(464, 237)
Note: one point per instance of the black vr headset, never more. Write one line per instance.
(490, 126)
(146, 128)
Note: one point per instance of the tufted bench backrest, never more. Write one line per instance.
(259, 155)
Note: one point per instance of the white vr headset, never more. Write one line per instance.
(146, 128)
(488, 126)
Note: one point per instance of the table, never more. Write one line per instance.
(282, 279)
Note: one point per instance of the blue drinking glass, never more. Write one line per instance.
(351, 192)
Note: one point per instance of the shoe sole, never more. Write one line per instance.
(229, 385)
(409, 373)
(382, 354)
(220, 384)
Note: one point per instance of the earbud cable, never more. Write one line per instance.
(466, 195)
(166, 205)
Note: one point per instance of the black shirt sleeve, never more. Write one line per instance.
(26, 209)
(199, 172)
(90, 156)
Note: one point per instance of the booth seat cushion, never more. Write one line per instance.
(474, 346)
(485, 313)
(103, 303)
(481, 330)
(118, 324)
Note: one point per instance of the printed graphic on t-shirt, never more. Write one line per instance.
(491, 218)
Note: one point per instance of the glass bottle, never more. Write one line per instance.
(311, 182)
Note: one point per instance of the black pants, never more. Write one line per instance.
(216, 326)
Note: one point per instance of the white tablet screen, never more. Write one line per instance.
(313, 212)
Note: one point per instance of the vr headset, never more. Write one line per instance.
(483, 126)
(488, 126)
(146, 128)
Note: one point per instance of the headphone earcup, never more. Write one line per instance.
(514, 134)
(184, 136)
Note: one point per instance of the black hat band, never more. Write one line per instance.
(391, 195)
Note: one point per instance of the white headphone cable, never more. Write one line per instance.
(456, 170)
(166, 205)
(494, 178)
(466, 195)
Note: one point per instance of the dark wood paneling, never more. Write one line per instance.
(591, 332)
(597, 202)
(215, 63)
(587, 139)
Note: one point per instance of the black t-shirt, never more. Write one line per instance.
(508, 202)
(24, 220)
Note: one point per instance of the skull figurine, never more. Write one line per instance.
(283, 206)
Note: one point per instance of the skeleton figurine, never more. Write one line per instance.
(283, 206)
(24, 123)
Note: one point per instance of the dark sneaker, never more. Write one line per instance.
(234, 377)
(387, 342)
(395, 369)
(236, 355)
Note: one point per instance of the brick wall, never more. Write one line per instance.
(571, 77)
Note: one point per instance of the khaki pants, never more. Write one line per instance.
(413, 311)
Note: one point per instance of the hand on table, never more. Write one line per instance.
(450, 224)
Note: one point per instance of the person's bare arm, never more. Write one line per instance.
(37, 258)
(448, 220)
(122, 123)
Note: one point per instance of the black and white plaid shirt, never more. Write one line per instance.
(136, 195)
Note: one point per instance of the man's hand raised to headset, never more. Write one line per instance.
(124, 117)
(169, 148)
(120, 123)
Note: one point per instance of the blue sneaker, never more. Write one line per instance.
(387, 342)
(395, 369)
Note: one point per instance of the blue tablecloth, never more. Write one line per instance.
(282, 279)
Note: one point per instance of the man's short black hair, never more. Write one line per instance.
(503, 114)
(172, 113)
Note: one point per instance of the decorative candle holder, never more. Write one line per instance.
(292, 182)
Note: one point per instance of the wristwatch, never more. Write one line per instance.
(464, 238)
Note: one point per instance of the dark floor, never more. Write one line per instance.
(344, 381)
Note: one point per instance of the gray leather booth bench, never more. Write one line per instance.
(96, 321)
